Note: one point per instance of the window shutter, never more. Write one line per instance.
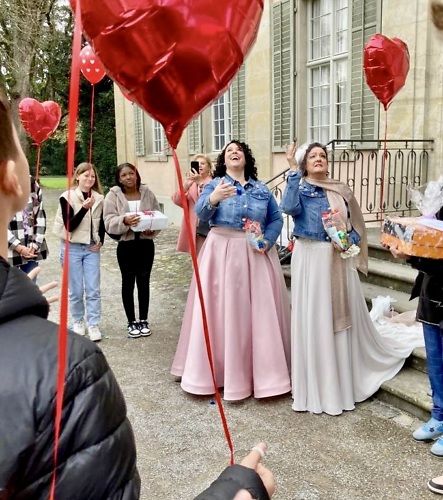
(282, 81)
(364, 105)
(139, 131)
(194, 136)
(238, 106)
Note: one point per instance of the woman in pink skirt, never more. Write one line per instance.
(244, 291)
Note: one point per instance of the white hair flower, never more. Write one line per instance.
(301, 152)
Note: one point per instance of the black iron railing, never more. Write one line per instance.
(377, 171)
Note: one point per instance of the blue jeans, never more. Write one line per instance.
(28, 267)
(434, 358)
(84, 282)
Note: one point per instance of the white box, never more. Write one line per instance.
(152, 220)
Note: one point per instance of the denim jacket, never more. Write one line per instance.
(254, 201)
(306, 202)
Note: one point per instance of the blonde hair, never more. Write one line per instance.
(207, 159)
(84, 167)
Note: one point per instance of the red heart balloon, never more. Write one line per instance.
(173, 57)
(386, 66)
(39, 119)
(90, 65)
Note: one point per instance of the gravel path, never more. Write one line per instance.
(364, 454)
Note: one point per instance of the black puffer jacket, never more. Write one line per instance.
(429, 287)
(233, 479)
(97, 449)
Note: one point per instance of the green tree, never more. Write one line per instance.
(104, 154)
(35, 50)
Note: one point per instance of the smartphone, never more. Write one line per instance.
(195, 167)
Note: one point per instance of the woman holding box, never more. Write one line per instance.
(135, 249)
(338, 357)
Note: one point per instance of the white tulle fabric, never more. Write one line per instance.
(331, 372)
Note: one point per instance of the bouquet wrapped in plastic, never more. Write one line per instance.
(254, 235)
(428, 198)
(336, 229)
(419, 236)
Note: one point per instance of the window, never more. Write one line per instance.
(195, 135)
(238, 106)
(364, 105)
(139, 131)
(328, 70)
(221, 121)
(158, 138)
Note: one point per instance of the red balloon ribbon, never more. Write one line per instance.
(386, 66)
(172, 57)
(63, 329)
(202, 303)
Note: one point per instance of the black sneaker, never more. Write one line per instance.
(133, 330)
(143, 326)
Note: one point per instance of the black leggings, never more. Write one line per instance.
(135, 259)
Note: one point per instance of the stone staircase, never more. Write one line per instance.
(409, 390)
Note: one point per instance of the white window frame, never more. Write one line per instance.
(327, 126)
(158, 138)
(221, 138)
(139, 131)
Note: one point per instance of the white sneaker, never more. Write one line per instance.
(94, 333)
(143, 326)
(79, 327)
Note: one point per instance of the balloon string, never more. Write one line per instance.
(202, 303)
(92, 122)
(37, 167)
(63, 331)
(383, 168)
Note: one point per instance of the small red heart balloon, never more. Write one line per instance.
(386, 66)
(90, 65)
(39, 119)
(172, 57)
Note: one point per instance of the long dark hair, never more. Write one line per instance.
(250, 168)
(120, 168)
(303, 163)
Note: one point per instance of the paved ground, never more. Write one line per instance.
(364, 454)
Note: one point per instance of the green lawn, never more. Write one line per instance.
(56, 182)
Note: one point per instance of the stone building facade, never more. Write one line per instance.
(304, 79)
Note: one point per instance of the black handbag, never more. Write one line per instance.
(203, 228)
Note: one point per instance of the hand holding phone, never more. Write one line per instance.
(195, 167)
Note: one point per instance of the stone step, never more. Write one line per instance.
(390, 275)
(418, 360)
(401, 304)
(409, 390)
